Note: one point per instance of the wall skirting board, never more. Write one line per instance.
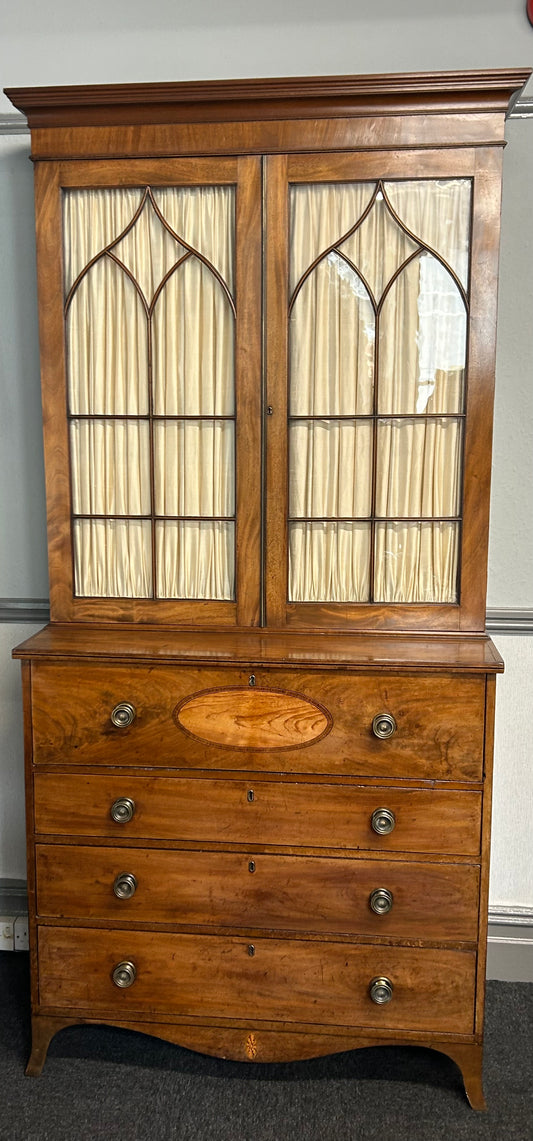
(499, 621)
(509, 954)
(24, 610)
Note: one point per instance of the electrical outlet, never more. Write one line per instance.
(14, 932)
(20, 931)
(7, 937)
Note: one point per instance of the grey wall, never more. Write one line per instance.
(182, 39)
(129, 40)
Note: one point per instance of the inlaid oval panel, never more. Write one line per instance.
(239, 717)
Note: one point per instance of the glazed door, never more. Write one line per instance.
(154, 351)
(375, 383)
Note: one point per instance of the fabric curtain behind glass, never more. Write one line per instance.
(377, 337)
(150, 342)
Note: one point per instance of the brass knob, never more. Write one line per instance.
(123, 714)
(124, 974)
(125, 885)
(383, 821)
(381, 990)
(381, 900)
(384, 725)
(122, 810)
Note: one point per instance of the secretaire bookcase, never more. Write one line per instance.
(259, 724)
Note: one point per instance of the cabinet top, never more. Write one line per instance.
(252, 99)
(254, 647)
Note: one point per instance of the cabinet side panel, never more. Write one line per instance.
(485, 852)
(480, 387)
(53, 379)
(30, 842)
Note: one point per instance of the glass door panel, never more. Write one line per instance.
(418, 468)
(376, 394)
(422, 341)
(416, 562)
(329, 562)
(150, 321)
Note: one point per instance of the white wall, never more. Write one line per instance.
(127, 40)
(131, 40)
(12, 824)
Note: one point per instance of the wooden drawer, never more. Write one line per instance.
(261, 812)
(233, 889)
(317, 721)
(288, 980)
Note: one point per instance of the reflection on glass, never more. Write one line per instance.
(329, 562)
(370, 272)
(437, 211)
(332, 331)
(320, 215)
(378, 247)
(422, 341)
(416, 562)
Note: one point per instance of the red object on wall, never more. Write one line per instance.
(529, 10)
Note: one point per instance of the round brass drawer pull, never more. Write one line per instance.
(383, 821)
(384, 725)
(125, 885)
(381, 900)
(381, 990)
(123, 714)
(122, 810)
(124, 974)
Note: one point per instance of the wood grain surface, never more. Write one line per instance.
(290, 893)
(252, 718)
(440, 721)
(356, 652)
(284, 980)
(265, 812)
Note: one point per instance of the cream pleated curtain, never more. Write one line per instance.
(135, 352)
(417, 367)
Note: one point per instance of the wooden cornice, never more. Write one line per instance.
(256, 99)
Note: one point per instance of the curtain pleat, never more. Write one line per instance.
(113, 339)
(112, 558)
(416, 562)
(195, 560)
(335, 558)
(421, 362)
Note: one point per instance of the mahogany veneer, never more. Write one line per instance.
(248, 868)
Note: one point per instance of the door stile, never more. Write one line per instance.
(275, 414)
(248, 366)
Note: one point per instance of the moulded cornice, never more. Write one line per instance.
(305, 96)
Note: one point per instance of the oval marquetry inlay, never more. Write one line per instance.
(245, 718)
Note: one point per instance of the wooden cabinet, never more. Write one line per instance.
(259, 725)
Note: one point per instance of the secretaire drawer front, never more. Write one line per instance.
(260, 812)
(234, 889)
(277, 980)
(316, 721)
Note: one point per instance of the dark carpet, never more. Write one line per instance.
(103, 1083)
